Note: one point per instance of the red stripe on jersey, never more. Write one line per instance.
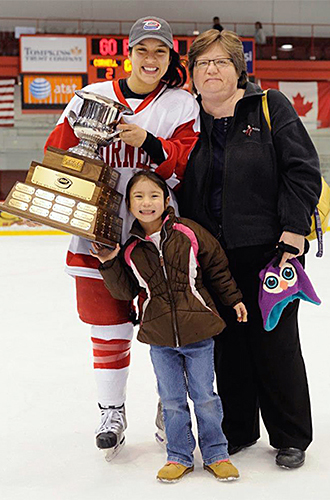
(178, 148)
(145, 101)
(149, 98)
(62, 136)
(114, 354)
(119, 93)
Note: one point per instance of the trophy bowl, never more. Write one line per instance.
(96, 123)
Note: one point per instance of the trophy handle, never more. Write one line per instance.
(72, 118)
(114, 133)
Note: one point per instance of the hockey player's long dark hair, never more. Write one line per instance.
(176, 74)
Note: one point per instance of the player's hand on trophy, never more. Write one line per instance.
(131, 134)
(104, 253)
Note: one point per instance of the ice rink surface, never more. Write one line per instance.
(48, 409)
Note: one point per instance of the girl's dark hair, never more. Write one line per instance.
(176, 74)
(149, 175)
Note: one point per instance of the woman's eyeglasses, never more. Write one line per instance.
(220, 63)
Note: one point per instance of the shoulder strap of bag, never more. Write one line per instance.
(321, 214)
(265, 108)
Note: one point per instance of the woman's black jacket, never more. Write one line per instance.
(271, 178)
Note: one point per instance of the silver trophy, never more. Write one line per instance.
(74, 190)
(96, 123)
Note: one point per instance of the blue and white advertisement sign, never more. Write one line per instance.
(249, 54)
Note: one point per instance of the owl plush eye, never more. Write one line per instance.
(288, 272)
(271, 282)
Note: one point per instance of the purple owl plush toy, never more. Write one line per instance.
(279, 286)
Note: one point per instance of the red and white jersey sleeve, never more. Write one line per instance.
(171, 115)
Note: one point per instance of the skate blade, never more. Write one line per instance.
(111, 453)
(161, 438)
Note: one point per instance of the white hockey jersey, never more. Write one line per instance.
(171, 115)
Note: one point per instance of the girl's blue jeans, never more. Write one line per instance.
(183, 371)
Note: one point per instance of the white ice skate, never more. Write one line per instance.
(160, 434)
(110, 436)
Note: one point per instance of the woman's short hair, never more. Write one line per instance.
(229, 41)
(149, 175)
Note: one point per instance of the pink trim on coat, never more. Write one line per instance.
(128, 251)
(191, 235)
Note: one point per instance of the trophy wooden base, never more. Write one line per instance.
(94, 170)
(65, 192)
(63, 212)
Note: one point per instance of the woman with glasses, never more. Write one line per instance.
(252, 188)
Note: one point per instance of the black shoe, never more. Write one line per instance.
(290, 458)
(232, 448)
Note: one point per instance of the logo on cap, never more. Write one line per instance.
(151, 25)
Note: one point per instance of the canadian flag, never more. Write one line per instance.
(311, 100)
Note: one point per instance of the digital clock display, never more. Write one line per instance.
(113, 46)
(110, 46)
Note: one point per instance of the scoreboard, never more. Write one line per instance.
(108, 56)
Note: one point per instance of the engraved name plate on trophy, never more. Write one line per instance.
(74, 190)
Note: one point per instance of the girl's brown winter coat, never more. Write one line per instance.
(178, 309)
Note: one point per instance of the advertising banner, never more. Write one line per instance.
(53, 54)
(249, 54)
(40, 92)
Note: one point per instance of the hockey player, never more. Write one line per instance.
(160, 136)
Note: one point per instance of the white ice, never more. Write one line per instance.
(48, 408)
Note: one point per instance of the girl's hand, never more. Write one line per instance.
(27, 222)
(20, 221)
(132, 134)
(104, 253)
(241, 312)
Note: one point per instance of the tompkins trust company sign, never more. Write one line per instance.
(51, 54)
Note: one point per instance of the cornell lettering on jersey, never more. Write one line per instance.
(121, 155)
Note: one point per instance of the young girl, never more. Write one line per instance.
(171, 259)
(159, 135)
